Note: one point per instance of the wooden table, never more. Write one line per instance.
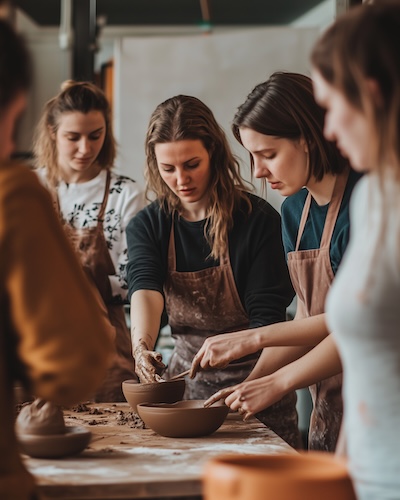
(126, 462)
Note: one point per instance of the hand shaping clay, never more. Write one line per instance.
(40, 418)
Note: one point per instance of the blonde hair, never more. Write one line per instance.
(74, 96)
(187, 118)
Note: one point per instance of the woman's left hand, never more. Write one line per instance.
(251, 397)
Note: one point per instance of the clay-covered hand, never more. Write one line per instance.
(251, 397)
(148, 364)
(220, 350)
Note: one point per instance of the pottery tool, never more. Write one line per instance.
(180, 375)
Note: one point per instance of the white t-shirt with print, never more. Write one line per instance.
(80, 204)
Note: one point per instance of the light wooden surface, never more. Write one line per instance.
(125, 462)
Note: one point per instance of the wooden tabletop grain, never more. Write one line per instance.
(127, 462)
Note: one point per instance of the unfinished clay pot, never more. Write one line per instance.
(157, 392)
(73, 441)
(42, 433)
(40, 418)
(183, 419)
(312, 476)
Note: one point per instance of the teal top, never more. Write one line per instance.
(292, 209)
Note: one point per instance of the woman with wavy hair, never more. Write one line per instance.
(75, 151)
(206, 249)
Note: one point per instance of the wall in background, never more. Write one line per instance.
(52, 65)
(220, 69)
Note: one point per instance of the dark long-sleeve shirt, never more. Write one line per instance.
(255, 249)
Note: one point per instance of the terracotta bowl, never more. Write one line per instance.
(73, 441)
(157, 392)
(183, 419)
(311, 476)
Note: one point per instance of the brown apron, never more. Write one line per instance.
(91, 246)
(204, 303)
(312, 275)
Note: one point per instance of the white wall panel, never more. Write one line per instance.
(220, 69)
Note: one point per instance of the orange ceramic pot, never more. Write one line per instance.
(303, 476)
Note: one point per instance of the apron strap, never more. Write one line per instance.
(334, 208)
(105, 199)
(171, 248)
(332, 214)
(56, 200)
(303, 220)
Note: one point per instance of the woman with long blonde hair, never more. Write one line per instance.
(75, 151)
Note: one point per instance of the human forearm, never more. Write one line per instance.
(285, 341)
(274, 358)
(323, 361)
(299, 332)
(146, 310)
(252, 396)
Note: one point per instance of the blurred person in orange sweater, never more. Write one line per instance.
(55, 337)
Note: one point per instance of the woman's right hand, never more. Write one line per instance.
(218, 351)
(148, 364)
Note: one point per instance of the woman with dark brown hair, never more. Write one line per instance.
(206, 249)
(281, 126)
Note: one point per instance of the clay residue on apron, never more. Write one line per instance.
(204, 303)
(91, 247)
(312, 275)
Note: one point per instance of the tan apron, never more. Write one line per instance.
(204, 303)
(91, 246)
(312, 275)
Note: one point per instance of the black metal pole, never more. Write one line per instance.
(84, 46)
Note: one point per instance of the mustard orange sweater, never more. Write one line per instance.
(54, 330)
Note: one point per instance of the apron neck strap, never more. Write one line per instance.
(332, 214)
(56, 200)
(105, 199)
(303, 220)
(334, 208)
(171, 247)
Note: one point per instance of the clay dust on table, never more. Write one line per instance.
(130, 418)
(108, 415)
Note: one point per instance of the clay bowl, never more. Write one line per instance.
(184, 419)
(157, 392)
(73, 441)
(312, 476)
